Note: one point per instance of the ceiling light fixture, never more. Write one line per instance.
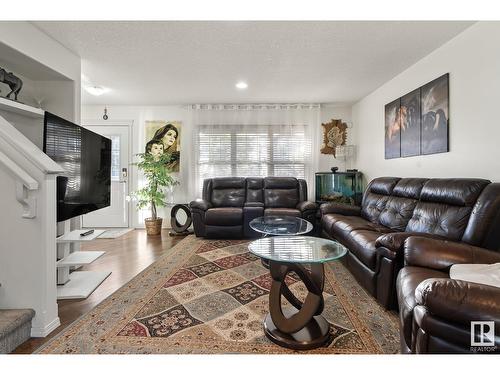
(241, 85)
(96, 90)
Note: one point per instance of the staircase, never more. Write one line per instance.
(15, 328)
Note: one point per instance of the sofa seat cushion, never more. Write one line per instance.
(282, 212)
(222, 216)
(328, 220)
(408, 280)
(361, 243)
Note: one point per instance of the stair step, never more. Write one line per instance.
(15, 328)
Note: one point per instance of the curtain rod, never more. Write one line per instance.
(252, 107)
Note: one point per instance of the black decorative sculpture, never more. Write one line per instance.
(15, 83)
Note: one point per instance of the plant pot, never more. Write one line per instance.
(153, 226)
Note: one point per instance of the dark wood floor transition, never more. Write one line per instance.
(125, 257)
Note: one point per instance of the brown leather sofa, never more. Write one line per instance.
(435, 311)
(229, 204)
(393, 209)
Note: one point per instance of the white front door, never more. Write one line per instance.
(116, 215)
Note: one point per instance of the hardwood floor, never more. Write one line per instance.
(126, 257)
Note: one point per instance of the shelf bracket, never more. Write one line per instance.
(24, 184)
(28, 203)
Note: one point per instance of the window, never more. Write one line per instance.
(253, 151)
(115, 157)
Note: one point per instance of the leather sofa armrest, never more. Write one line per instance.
(392, 241)
(440, 255)
(340, 208)
(459, 301)
(200, 204)
(395, 241)
(254, 204)
(307, 206)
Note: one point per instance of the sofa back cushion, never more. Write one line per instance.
(453, 191)
(228, 192)
(281, 192)
(445, 207)
(254, 190)
(399, 207)
(376, 196)
(482, 229)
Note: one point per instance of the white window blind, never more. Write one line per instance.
(253, 151)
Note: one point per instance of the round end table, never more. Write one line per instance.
(301, 326)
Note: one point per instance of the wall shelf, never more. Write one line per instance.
(77, 284)
(21, 109)
(81, 284)
(74, 236)
(80, 258)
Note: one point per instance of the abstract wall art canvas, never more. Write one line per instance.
(410, 124)
(164, 136)
(417, 123)
(393, 130)
(435, 116)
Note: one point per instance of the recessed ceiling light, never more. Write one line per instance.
(96, 90)
(241, 85)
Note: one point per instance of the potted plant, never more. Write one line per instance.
(158, 178)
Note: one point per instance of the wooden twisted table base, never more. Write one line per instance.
(300, 327)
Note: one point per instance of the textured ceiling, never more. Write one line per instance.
(155, 63)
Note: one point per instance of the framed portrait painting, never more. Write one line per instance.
(162, 137)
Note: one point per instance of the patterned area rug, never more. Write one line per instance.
(210, 296)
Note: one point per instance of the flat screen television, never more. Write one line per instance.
(86, 158)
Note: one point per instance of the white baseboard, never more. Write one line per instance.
(45, 331)
(143, 227)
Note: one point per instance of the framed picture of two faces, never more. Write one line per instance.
(164, 137)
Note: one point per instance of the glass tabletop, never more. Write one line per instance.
(297, 249)
(281, 225)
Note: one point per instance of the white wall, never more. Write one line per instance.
(336, 112)
(473, 61)
(39, 47)
(28, 246)
(138, 115)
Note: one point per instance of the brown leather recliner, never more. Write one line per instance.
(394, 209)
(435, 311)
(230, 203)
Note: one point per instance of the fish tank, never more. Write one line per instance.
(340, 187)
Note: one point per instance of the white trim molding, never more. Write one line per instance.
(46, 330)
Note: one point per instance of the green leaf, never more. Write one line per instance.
(158, 178)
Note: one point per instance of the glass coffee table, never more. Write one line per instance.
(281, 225)
(301, 326)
